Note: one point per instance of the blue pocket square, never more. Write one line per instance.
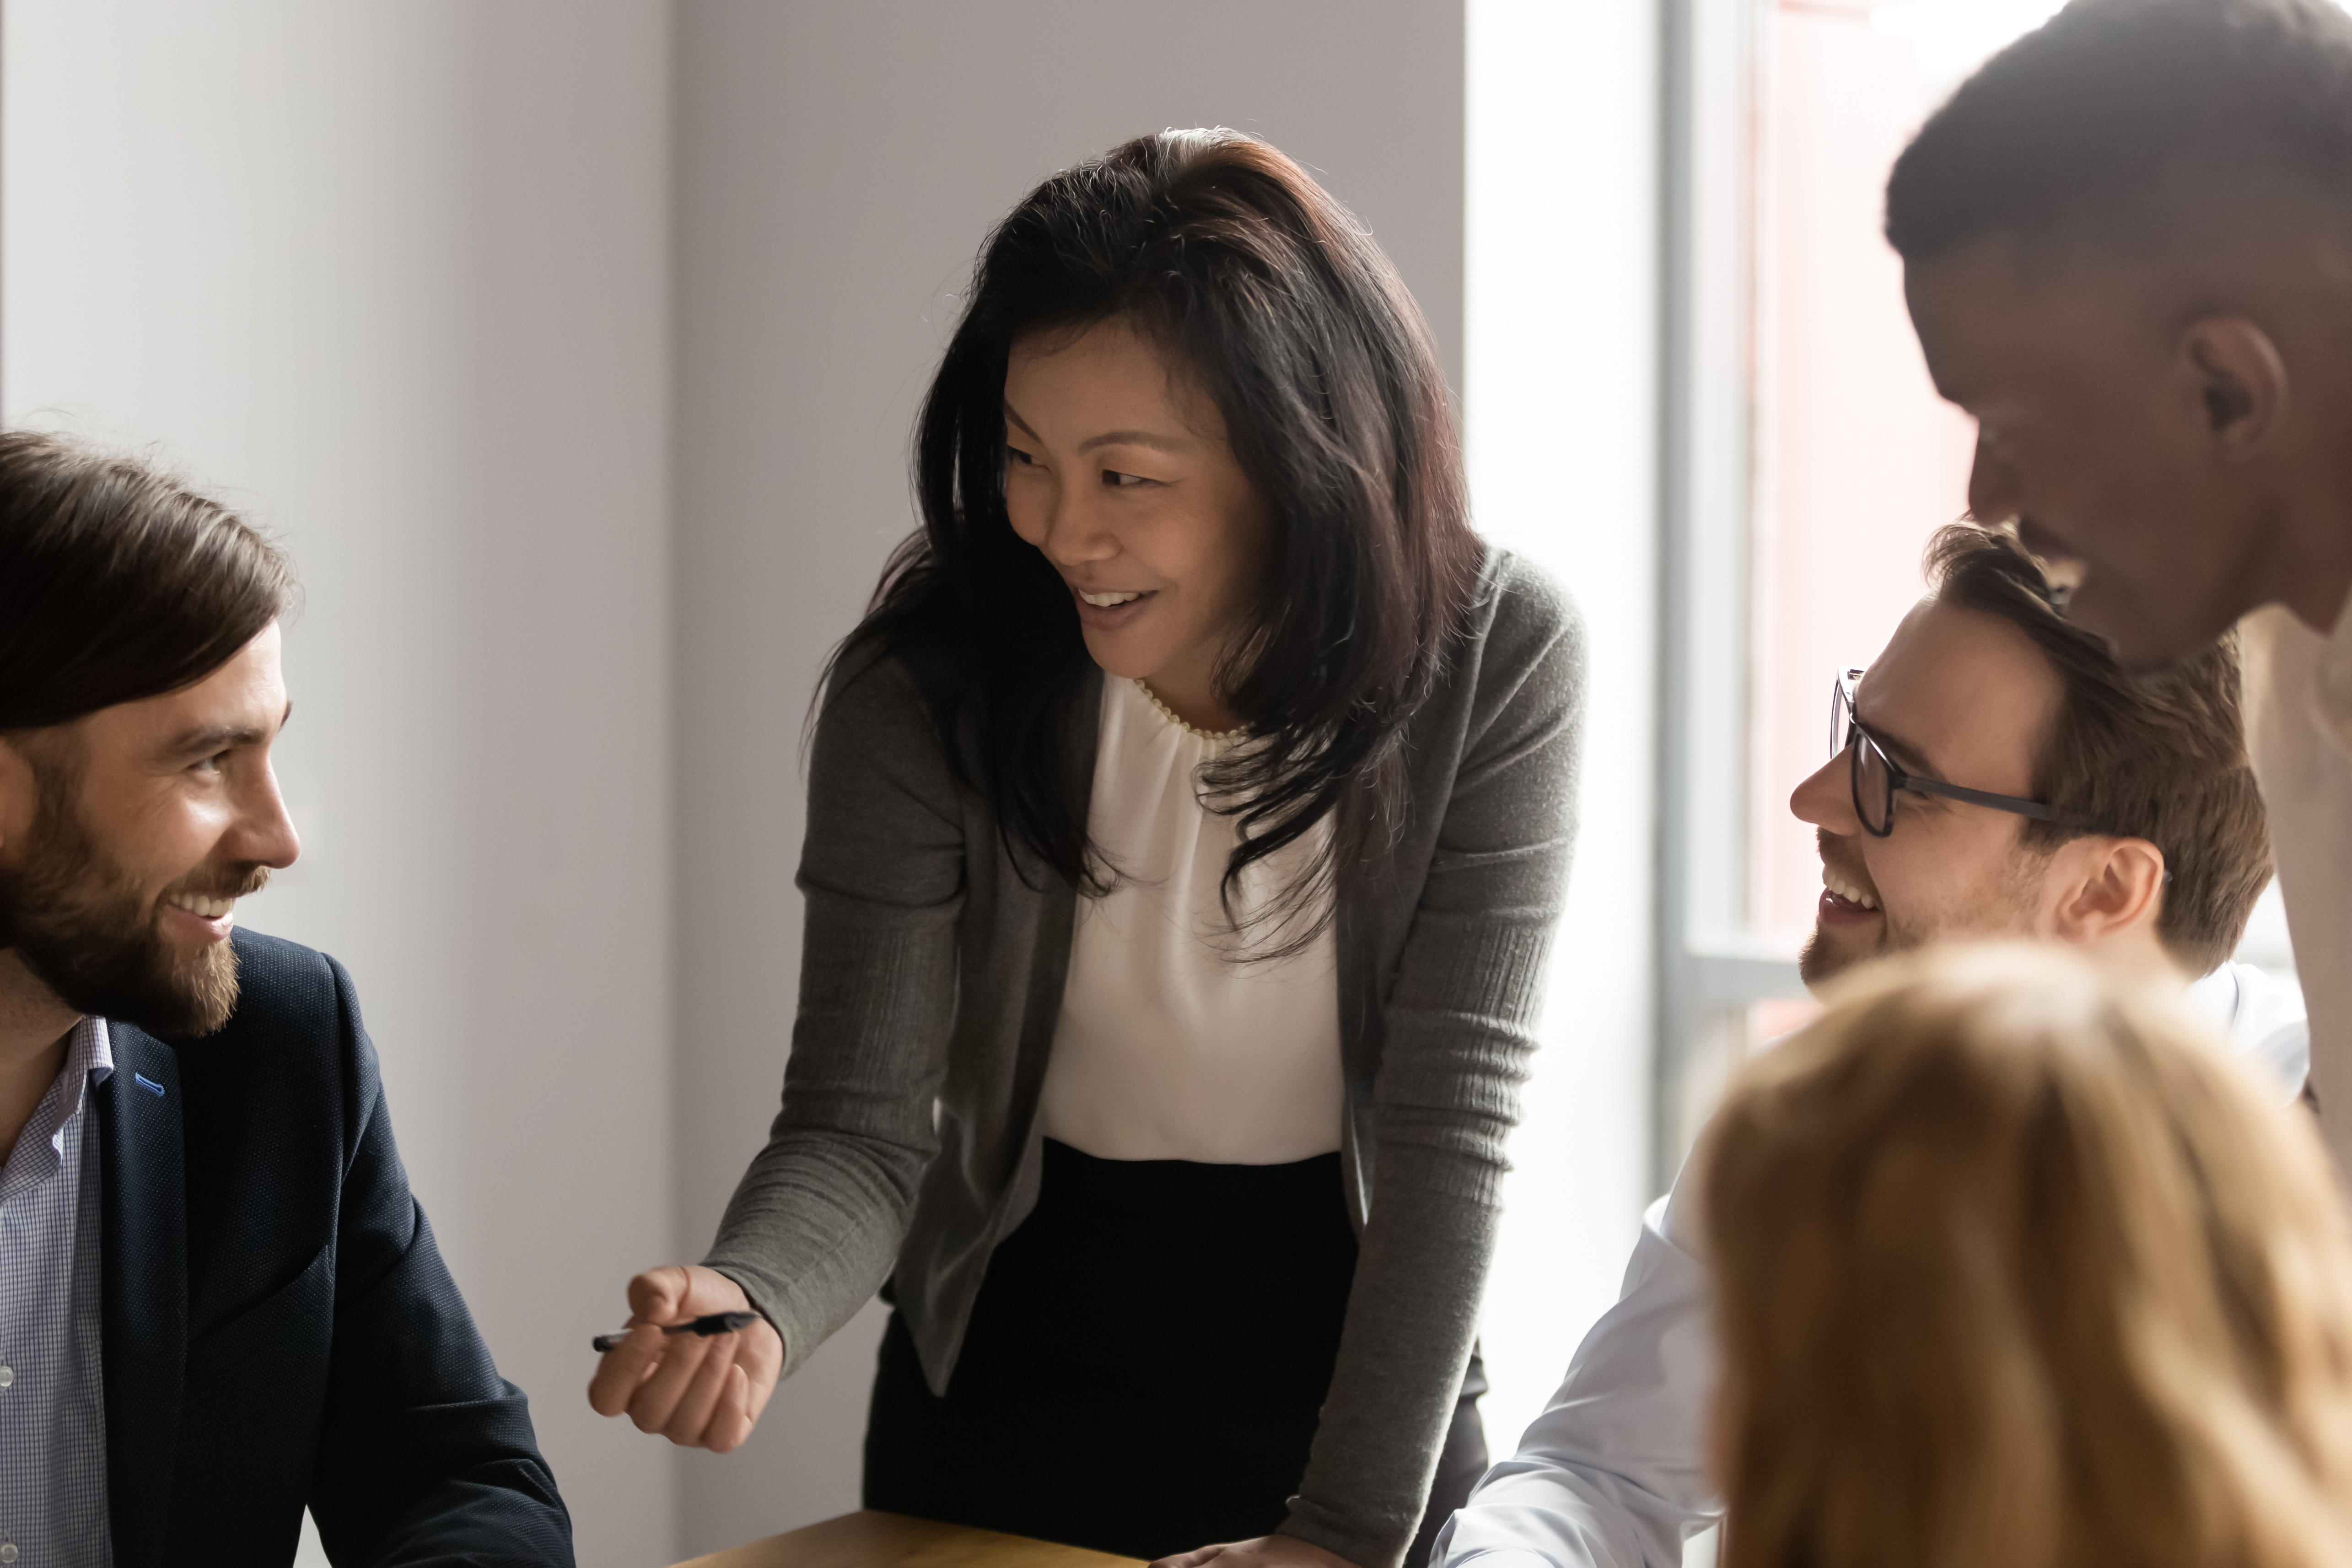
(149, 1083)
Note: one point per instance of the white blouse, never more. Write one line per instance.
(1168, 1049)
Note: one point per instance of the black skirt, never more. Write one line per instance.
(1145, 1365)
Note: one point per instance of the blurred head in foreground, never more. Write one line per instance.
(2015, 1269)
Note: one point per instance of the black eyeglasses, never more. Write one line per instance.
(1876, 778)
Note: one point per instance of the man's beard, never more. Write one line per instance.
(1816, 964)
(79, 923)
(2007, 911)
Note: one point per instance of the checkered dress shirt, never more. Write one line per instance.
(52, 1411)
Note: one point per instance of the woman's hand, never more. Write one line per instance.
(699, 1393)
(1265, 1551)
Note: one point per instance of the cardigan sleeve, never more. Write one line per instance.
(1459, 1037)
(815, 1225)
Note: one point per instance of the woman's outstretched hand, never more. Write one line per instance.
(1265, 1551)
(699, 1393)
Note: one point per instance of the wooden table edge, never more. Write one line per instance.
(871, 1539)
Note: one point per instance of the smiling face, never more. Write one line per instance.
(127, 836)
(1964, 697)
(2106, 429)
(1118, 468)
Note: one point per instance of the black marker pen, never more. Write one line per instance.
(703, 1327)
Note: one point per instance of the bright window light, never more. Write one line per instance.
(1952, 38)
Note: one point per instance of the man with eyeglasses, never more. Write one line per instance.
(1994, 773)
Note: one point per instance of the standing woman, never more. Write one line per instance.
(1187, 822)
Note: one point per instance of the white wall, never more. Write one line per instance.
(392, 274)
(1563, 395)
(838, 167)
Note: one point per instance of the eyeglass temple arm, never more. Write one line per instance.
(2033, 808)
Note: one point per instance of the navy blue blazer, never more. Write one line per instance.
(279, 1328)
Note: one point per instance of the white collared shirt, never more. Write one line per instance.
(1613, 1474)
(53, 1509)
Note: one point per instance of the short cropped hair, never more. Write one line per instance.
(118, 582)
(2160, 757)
(2014, 1267)
(2089, 117)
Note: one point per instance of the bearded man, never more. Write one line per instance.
(219, 1304)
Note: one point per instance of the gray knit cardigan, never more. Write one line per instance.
(931, 975)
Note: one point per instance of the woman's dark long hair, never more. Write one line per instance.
(1225, 253)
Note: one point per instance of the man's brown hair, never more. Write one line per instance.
(2159, 757)
(118, 582)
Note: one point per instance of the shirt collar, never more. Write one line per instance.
(2212, 999)
(2333, 690)
(90, 1052)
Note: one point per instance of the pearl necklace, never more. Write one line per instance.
(1171, 716)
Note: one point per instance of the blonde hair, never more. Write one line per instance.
(2017, 1269)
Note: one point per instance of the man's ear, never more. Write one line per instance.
(2109, 886)
(2240, 379)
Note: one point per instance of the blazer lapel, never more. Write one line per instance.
(144, 1258)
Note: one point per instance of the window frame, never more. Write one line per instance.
(1711, 969)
